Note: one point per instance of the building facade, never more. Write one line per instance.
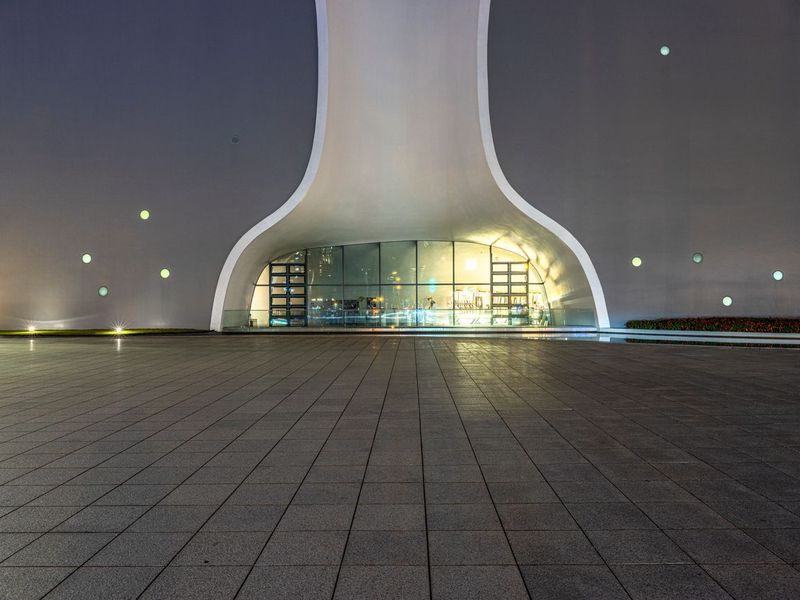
(460, 163)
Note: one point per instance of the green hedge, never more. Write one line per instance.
(741, 324)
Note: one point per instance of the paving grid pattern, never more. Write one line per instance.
(411, 467)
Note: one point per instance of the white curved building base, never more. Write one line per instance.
(403, 150)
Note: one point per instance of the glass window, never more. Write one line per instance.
(299, 256)
(260, 298)
(399, 262)
(472, 263)
(361, 264)
(502, 255)
(435, 297)
(324, 265)
(399, 302)
(361, 299)
(399, 297)
(435, 262)
(471, 297)
(324, 305)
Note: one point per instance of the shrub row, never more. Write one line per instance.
(742, 324)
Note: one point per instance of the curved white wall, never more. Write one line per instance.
(403, 150)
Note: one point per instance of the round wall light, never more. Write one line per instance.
(665, 50)
(636, 261)
(727, 301)
(86, 258)
(164, 273)
(102, 291)
(777, 275)
(697, 257)
(144, 214)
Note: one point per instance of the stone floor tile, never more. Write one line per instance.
(721, 546)
(317, 517)
(59, 550)
(35, 518)
(289, 583)
(785, 543)
(637, 547)
(468, 517)
(263, 493)
(552, 548)
(609, 515)
(477, 583)
(391, 493)
(683, 515)
(762, 582)
(140, 550)
(29, 583)
(108, 583)
(327, 493)
(469, 548)
(559, 582)
(386, 548)
(668, 582)
(529, 517)
(231, 517)
(196, 583)
(102, 519)
(224, 548)
(304, 548)
(167, 519)
(385, 582)
(389, 517)
(456, 493)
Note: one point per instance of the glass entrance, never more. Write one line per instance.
(400, 284)
(287, 295)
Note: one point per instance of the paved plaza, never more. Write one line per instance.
(397, 467)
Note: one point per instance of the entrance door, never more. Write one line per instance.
(510, 293)
(287, 295)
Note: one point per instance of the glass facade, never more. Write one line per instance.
(400, 284)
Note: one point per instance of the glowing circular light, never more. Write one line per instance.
(727, 301)
(665, 50)
(697, 257)
(31, 328)
(777, 275)
(86, 258)
(164, 273)
(636, 261)
(118, 329)
(471, 264)
(102, 291)
(144, 214)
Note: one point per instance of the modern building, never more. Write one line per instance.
(460, 163)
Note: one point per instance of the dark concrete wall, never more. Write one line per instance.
(660, 157)
(108, 107)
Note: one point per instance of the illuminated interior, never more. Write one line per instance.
(400, 284)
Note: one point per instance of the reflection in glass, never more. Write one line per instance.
(399, 262)
(435, 262)
(324, 265)
(361, 264)
(362, 304)
(399, 305)
(293, 257)
(324, 305)
(472, 262)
